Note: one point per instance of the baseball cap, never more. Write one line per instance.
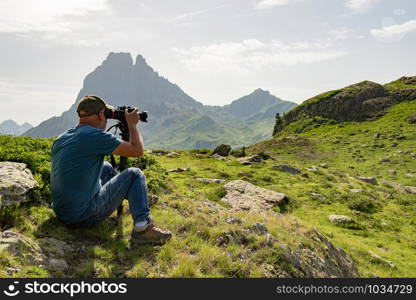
(90, 105)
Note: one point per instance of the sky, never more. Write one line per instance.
(216, 51)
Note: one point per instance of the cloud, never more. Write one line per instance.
(360, 6)
(270, 3)
(189, 15)
(21, 16)
(253, 55)
(394, 32)
(344, 33)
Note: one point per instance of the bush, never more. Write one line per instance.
(364, 205)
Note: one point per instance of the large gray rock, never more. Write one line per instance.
(242, 195)
(287, 169)
(46, 252)
(400, 188)
(311, 262)
(222, 150)
(255, 159)
(15, 183)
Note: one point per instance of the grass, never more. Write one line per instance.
(384, 220)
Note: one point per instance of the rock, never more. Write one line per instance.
(45, 252)
(232, 237)
(219, 157)
(232, 220)
(356, 190)
(400, 188)
(411, 175)
(222, 150)
(180, 170)
(255, 159)
(370, 180)
(15, 183)
(412, 118)
(313, 169)
(379, 259)
(17, 244)
(210, 180)
(57, 265)
(242, 195)
(54, 247)
(173, 154)
(324, 165)
(377, 135)
(321, 260)
(385, 160)
(392, 172)
(287, 169)
(317, 195)
(258, 228)
(340, 219)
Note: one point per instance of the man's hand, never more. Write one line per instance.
(132, 118)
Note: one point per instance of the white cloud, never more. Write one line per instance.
(395, 31)
(21, 16)
(253, 55)
(189, 15)
(360, 6)
(344, 33)
(270, 3)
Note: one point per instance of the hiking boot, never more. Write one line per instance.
(151, 236)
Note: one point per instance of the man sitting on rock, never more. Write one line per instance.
(85, 189)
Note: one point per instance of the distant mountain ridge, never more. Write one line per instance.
(10, 127)
(176, 120)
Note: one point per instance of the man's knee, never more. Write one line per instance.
(136, 172)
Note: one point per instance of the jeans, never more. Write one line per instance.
(130, 184)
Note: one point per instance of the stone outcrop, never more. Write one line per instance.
(242, 195)
(45, 252)
(358, 102)
(15, 183)
(222, 150)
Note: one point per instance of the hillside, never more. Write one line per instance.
(176, 120)
(358, 102)
(346, 185)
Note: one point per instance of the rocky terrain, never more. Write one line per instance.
(319, 199)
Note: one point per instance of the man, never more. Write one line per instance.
(85, 190)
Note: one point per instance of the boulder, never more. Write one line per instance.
(287, 169)
(378, 259)
(319, 259)
(15, 183)
(210, 180)
(340, 219)
(412, 118)
(219, 157)
(400, 188)
(173, 154)
(242, 195)
(370, 180)
(255, 159)
(222, 150)
(54, 247)
(179, 170)
(46, 252)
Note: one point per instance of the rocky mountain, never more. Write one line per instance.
(362, 101)
(176, 120)
(10, 127)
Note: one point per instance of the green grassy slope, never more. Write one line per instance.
(384, 218)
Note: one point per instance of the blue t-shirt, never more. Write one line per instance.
(77, 159)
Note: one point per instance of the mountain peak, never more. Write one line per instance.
(260, 91)
(122, 59)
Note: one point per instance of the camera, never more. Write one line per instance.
(118, 113)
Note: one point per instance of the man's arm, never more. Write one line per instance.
(135, 146)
